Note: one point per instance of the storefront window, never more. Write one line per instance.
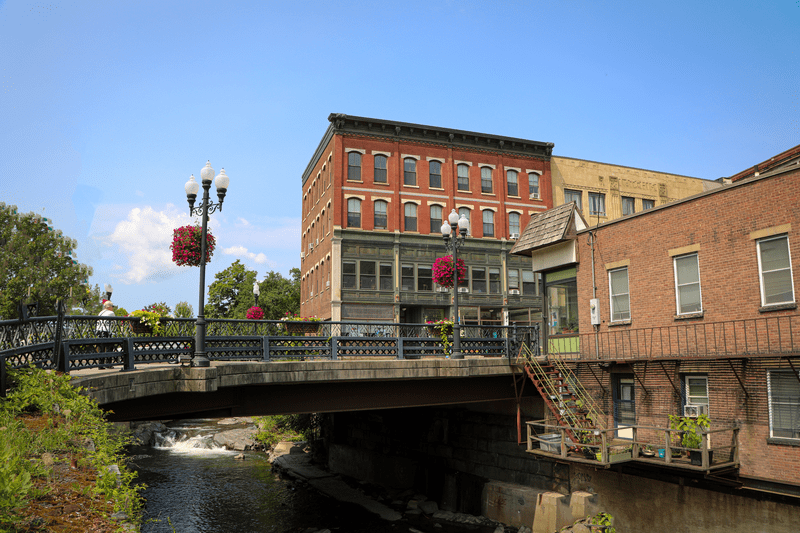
(562, 304)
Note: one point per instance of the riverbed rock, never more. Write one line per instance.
(236, 439)
(144, 434)
(428, 507)
(235, 420)
(239, 457)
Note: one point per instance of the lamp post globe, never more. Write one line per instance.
(454, 231)
(206, 207)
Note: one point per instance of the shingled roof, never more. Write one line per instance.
(550, 227)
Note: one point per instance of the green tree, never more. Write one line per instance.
(231, 293)
(183, 310)
(37, 265)
(279, 295)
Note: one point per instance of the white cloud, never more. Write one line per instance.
(144, 238)
(242, 222)
(241, 251)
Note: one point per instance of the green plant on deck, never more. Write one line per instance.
(443, 328)
(691, 428)
(604, 519)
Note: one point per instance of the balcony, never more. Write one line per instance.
(759, 337)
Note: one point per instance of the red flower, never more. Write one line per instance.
(186, 245)
(443, 271)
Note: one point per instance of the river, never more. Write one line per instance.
(194, 486)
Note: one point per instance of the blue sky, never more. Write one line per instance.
(106, 108)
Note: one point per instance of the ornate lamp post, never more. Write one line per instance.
(256, 291)
(454, 232)
(203, 210)
(109, 290)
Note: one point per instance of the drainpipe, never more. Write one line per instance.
(596, 327)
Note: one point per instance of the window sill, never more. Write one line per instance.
(436, 188)
(411, 186)
(463, 191)
(532, 197)
(777, 307)
(619, 323)
(515, 197)
(380, 183)
(688, 316)
(783, 441)
(488, 193)
(354, 181)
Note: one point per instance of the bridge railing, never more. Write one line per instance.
(127, 345)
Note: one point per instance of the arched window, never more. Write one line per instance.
(409, 171)
(380, 214)
(533, 185)
(380, 169)
(354, 166)
(486, 179)
(410, 216)
(465, 211)
(513, 223)
(435, 174)
(511, 179)
(436, 219)
(353, 213)
(488, 223)
(463, 177)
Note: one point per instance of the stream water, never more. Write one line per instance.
(194, 486)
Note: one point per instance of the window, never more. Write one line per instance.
(436, 219)
(380, 214)
(488, 223)
(573, 196)
(435, 174)
(533, 185)
(348, 274)
(424, 278)
(784, 404)
(463, 177)
(511, 179)
(775, 270)
(464, 282)
(353, 213)
(494, 280)
(354, 166)
(628, 205)
(528, 282)
(648, 204)
(620, 297)
(486, 179)
(597, 203)
(410, 211)
(465, 212)
(386, 281)
(513, 279)
(409, 171)
(407, 278)
(367, 277)
(380, 169)
(687, 284)
(478, 280)
(696, 390)
(513, 223)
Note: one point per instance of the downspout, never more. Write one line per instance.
(596, 327)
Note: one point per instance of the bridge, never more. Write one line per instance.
(266, 367)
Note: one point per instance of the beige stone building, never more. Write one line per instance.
(604, 192)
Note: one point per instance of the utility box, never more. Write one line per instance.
(594, 311)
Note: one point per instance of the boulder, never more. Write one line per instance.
(236, 439)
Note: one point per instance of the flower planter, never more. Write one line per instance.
(140, 328)
(436, 331)
(302, 327)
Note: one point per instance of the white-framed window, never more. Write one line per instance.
(379, 218)
(463, 177)
(513, 186)
(435, 174)
(354, 166)
(628, 205)
(465, 212)
(410, 216)
(486, 179)
(619, 294)
(687, 284)
(573, 196)
(513, 223)
(380, 169)
(436, 219)
(409, 171)
(696, 391)
(533, 185)
(488, 223)
(775, 271)
(783, 388)
(597, 203)
(353, 211)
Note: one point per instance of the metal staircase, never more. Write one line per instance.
(568, 401)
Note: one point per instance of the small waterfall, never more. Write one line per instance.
(184, 442)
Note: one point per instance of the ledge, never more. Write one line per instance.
(777, 307)
(783, 441)
(688, 316)
(619, 323)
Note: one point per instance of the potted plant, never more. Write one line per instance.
(186, 245)
(150, 319)
(444, 271)
(691, 429)
(300, 325)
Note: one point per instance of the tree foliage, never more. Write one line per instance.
(231, 293)
(183, 310)
(36, 258)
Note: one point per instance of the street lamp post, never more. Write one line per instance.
(203, 210)
(454, 231)
(109, 290)
(256, 291)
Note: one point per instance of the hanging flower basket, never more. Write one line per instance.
(186, 244)
(255, 313)
(443, 271)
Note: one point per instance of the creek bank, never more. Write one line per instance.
(293, 460)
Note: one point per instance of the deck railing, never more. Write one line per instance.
(734, 338)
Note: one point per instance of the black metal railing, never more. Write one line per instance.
(128, 343)
(761, 336)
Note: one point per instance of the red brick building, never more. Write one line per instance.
(690, 307)
(375, 194)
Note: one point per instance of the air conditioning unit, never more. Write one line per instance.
(514, 236)
(327, 283)
(533, 197)
(317, 241)
(302, 255)
(442, 289)
(311, 246)
(693, 411)
(513, 291)
(463, 289)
